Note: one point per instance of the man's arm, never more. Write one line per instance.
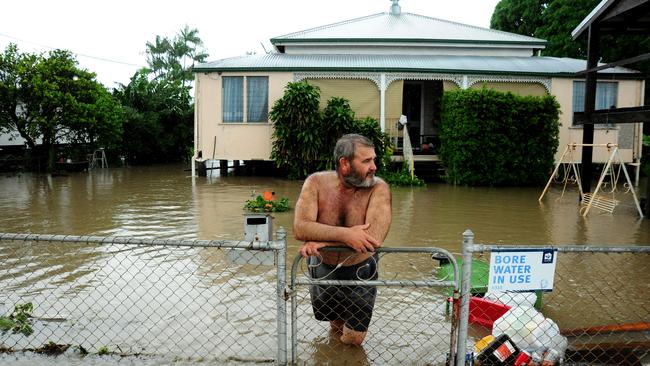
(379, 212)
(307, 228)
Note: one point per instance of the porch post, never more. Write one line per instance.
(591, 81)
(382, 102)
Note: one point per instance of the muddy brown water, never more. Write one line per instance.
(165, 202)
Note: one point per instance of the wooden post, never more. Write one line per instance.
(223, 167)
(589, 107)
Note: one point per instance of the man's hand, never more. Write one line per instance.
(310, 248)
(360, 240)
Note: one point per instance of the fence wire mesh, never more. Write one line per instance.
(410, 323)
(174, 302)
(598, 312)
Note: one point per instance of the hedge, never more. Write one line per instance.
(498, 139)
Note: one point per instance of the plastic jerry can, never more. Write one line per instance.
(501, 352)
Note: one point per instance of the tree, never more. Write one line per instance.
(519, 16)
(48, 97)
(158, 119)
(174, 58)
(157, 102)
(554, 20)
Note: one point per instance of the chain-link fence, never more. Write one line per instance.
(596, 310)
(399, 297)
(200, 300)
(225, 302)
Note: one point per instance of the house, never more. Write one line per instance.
(395, 63)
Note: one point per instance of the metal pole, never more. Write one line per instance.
(281, 257)
(294, 310)
(468, 242)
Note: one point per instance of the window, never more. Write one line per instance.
(257, 93)
(606, 92)
(249, 91)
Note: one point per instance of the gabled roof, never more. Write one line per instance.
(498, 65)
(405, 27)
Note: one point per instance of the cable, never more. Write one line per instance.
(76, 53)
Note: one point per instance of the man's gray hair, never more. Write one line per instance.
(346, 146)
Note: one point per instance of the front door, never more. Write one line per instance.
(412, 109)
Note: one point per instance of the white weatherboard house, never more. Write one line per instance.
(395, 63)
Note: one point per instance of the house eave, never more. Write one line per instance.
(360, 41)
(617, 76)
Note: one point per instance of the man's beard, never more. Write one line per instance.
(356, 180)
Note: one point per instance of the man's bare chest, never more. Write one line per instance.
(339, 209)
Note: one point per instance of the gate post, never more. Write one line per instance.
(468, 242)
(281, 258)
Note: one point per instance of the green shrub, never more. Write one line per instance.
(297, 144)
(401, 178)
(304, 137)
(494, 138)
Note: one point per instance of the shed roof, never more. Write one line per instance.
(617, 17)
(550, 66)
(404, 27)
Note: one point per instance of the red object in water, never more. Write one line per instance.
(484, 312)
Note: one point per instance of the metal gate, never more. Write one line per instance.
(412, 321)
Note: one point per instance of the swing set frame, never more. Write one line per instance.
(588, 199)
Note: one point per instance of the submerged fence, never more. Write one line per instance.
(597, 310)
(176, 299)
(226, 302)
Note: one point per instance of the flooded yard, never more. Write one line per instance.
(162, 300)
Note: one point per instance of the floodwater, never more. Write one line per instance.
(165, 202)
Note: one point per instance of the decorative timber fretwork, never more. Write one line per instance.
(374, 77)
(390, 77)
(463, 81)
(474, 79)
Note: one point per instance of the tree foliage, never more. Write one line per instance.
(519, 16)
(297, 145)
(174, 58)
(157, 102)
(158, 124)
(554, 20)
(494, 138)
(47, 97)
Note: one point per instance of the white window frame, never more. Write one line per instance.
(580, 106)
(244, 100)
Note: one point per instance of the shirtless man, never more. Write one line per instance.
(347, 207)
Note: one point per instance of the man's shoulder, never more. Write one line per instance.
(380, 184)
(321, 177)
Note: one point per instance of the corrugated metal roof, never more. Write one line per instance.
(405, 63)
(595, 12)
(404, 27)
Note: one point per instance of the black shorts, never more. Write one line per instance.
(353, 304)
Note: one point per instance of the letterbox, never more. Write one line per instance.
(258, 227)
